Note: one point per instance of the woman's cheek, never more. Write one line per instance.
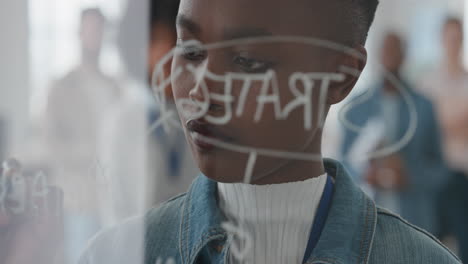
(181, 83)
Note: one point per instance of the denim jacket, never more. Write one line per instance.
(187, 229)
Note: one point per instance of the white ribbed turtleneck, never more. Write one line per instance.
(278, 217)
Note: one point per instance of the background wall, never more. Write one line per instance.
(14, 69)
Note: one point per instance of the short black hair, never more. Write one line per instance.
(361, 17)
(453, 20)
(163, 11)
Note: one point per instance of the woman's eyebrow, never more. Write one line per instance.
(245, 32)
(188, 24)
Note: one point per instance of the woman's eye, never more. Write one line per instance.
(192, 50)
(193, 53)
(251, 65)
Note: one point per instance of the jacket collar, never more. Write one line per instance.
(346, 238)
(349, 229)
(201, 219)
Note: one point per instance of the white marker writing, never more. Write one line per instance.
(264, 97)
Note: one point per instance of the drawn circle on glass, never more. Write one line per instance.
(168, 118)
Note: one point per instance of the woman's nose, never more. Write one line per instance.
(197, 94)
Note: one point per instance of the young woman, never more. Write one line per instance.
(251, 106)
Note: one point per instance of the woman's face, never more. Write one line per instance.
(251, 97)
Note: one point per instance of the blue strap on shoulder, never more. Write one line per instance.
(320, 217)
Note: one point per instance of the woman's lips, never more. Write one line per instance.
(199, 130)
(201, 144)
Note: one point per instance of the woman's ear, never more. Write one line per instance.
(351, 66)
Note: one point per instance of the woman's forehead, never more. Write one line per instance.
(277, 17)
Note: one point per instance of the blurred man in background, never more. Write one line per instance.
(76, 107)
(406, 181)
(147, 164)
(448, 88)
(3, 137)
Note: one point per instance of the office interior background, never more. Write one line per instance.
(40, 43)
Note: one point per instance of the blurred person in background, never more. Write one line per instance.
(448, 88)
(406, 181)
(147, 165)
(75, 109)
(3, 137)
